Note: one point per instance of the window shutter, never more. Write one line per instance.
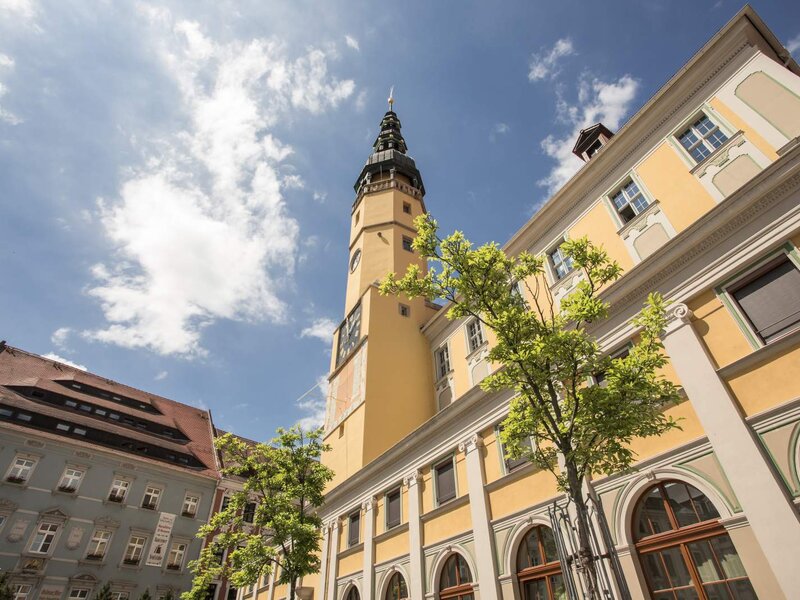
(393, 509)
(772, 300)
(445, 482)
(353, 529)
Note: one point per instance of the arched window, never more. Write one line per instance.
(456, 580)
(352, 594)
(397, 589)
(538, 568)
(684, 550)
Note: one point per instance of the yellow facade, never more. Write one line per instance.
(741, 393)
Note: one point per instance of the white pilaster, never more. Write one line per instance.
(368, 576)
(272, 585)
(417, 583)
(333, 562)
(766, 505)
(326, 534)
(484, 541)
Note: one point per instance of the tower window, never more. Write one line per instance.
(442, 362)
(407, 208)
(405, 311)
(407, 244)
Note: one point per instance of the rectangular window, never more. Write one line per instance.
(43, 538)
(407, 208)
(393, 517)
(445, 478)
(511, 464)
(151, 496)
(442, 362)
(119, 596)
(226, 500)
(98, 545)
(600, 378)
(405, 310)
(134, 550)
(629, 201)
(119, 489)
(190, 503)
(70, 480)
(475, 335)
(353, 529)
(769, 298)
(79, 593)
(702, 138)
(21, 591)
(176, 554)
(407, 244)
(560, 262)
(249, 512)
(21, 470)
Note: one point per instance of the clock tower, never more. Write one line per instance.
(381, 378)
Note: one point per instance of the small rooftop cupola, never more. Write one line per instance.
(389, 155)
(590, 140)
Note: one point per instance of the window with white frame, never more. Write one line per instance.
(629, 201)
(134, 550)
(21, 470)
(43, 538)
(559, 262)
(119, 490)
(98, 544)
(70, 480)
(78, 593)
(512, 464)
(475, 335)
(151, 497)
(3, 519)
(442, 362)
(190, 503)
(769, 298)
(21, 591)
(176, 553)
(119, 595)
(701, 138)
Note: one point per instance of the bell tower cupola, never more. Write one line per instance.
(381, 379)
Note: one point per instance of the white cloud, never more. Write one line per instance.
(794, 44)
(352, 42)
(607, 102)
(361, 100)
(161, 375)
(17, 9)
(498, 130)
(320, 196)
(544, 64)
(60, 336)
(66, 361)
(312, 403)
(202, 231)
(6, 64)
(322, 329)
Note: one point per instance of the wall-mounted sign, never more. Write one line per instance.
(158, 548)
(51, 592)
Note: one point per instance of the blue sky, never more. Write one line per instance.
(176, 178)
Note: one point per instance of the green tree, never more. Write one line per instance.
(549, 358)
(286, 481)
(6, 593)
(145, 595)
(104, 593)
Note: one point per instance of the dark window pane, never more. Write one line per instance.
(772, 301)
(727, 556)
(681, 503)
(652, 514)
(445, 482)
(536, 590)
(549, 543)
(393, 509)
(353, 529)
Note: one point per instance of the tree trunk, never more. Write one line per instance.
(293, 588)
(585, 560)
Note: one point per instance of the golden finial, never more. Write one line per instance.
(391, 98)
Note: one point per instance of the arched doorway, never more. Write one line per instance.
(352, 594)
(397, 590)
(538, 567)
(455, 582)
(684, 550)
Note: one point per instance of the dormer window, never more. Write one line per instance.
(591, 140)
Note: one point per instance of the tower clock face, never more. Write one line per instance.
(355, 260)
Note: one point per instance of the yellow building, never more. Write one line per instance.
(698, 197)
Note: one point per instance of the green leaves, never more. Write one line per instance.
(286, 481)
(547, 353)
